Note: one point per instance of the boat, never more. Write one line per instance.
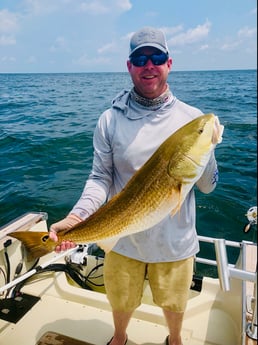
(60, 299)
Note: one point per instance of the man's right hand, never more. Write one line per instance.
(64, 224)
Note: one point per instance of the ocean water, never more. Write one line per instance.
(46, 128)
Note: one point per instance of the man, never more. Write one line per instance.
(125, 137)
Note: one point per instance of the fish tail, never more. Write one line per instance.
(36, 244)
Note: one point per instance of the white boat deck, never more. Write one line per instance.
(85, 315)
(213, 317)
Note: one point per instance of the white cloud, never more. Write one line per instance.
(38, 7)
(7, 40)
(106, 48)
(91, 7)
(32, 59)
(9, 26)
(230, 46)
(247, 32)
(168, 31)
(243, 39)
(8, 59)
(191, 36)
(94, 7)
(8, 22)
(99, 7)
(151, 14)
(86, 61)
(60, 44)
(204, 47)
(128, 36)
(124, 5)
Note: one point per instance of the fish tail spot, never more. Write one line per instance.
(36, 243)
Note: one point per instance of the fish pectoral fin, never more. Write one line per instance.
(177, 195)
(108, 244)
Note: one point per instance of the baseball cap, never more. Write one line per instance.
(148, 37)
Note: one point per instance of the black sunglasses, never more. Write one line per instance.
(156, 59)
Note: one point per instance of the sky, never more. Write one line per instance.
(55, 36)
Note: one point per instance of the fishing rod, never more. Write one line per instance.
(36, 269)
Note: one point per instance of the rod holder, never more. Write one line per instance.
(222, 262)
(251, 328)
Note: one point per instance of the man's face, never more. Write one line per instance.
(150, 80)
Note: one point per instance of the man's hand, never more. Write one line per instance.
(64, 224)
(217, 132)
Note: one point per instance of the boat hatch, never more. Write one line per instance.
(53, 338)
(13, 309)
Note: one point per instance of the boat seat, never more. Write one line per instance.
(53, 338)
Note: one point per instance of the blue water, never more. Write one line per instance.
(46, 128)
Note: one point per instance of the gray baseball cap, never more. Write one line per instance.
(148, 37)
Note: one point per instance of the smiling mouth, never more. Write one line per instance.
(149, 77)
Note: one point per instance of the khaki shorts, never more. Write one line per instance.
(169, 282)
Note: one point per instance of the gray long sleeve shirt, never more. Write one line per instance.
(125, 137)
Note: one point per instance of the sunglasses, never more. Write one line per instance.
(156, 59)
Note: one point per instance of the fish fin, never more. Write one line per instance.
(178, 195)
(36, 243)
(108, 244)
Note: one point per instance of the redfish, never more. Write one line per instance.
(157, 189)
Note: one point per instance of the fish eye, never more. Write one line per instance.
(200, 131)
(45, 238)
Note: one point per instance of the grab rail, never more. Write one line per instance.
(24, 222)
(227, 271)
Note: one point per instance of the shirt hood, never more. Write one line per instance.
(133, 110)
